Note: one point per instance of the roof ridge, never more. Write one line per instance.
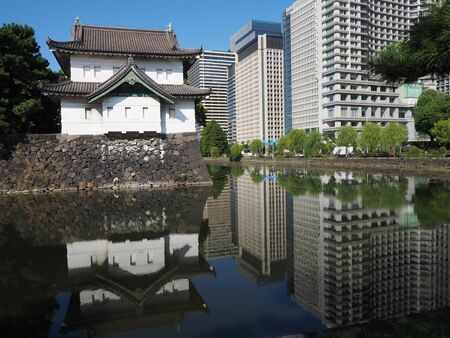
(128, 29)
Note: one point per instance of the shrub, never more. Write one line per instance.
(415, 151)
(235, 152)
(442, 151)
(214, 152)
(213, 136)
(256, 147)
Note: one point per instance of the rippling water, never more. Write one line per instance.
(265, 252)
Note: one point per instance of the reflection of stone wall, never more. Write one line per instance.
(40, 162)
(66, 217)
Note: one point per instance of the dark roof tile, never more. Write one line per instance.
(123, 41)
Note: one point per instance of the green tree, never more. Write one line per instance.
(256, 147)
(236, 152)
(347, 137)
(22, 67)
(313, 144)
(219, 176)
(282, 145)
(200, 114)
(256, 177)
(393, 136)
(297, 140)
(369, 139)
(431, 108)
(431, 203)
(423, 52)
(442, 131)
(214, 152)
(213, 136)
(237, 171)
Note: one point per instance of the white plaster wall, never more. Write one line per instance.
(184, 120)
(83, 254)
(147, 256)
(74, 122)
(189, 242)
(107, 64)
(89, 297)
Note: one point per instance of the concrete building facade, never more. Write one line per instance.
(328, 83)
(210, 71)
(259, 87)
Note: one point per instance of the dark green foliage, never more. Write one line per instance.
(424, 52)
(219, 176)
(297, 140)
(347, 136)
(383, 192)
(236, 152)
(22, 67)
(200, 114)
(431, 203)
(214, 152)
(431, 108)
(300, 185)
(213, 136)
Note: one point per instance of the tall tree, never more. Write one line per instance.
(370, 138)
(431, 107)
(297, 141)
(256, 147)
(426, 51)
(393, 136)
(313, 144)
(347, 137)
(200, 114)
(22, 67)
(213, 136)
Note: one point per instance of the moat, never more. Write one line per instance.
(264, 252)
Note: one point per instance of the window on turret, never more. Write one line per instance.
(171, 113)
(145, 113)
(127, 112)
(88, 113)
(86, 71)
(109, 111)
(97, 70)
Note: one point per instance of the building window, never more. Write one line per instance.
(115, 69)
(94, 261)
(149, 258)
(354, 112)
(127, 112)
(171, 113)
(168, 74)
(132, 259)
(97, 70)
(86, 71)
(344, 112)
(159, 74)
(109, 111)
(88, 114)
(145, 113)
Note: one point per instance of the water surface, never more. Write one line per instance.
(265, 252)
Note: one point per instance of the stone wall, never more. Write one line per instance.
(58, 162)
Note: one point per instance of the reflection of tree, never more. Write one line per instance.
(299, 185)
(383, 192)
(237, 171)
(256, 177)
(432, 203)
(347, 192)
(219, 176)
(25, 311)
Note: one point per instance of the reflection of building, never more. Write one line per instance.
(261, 217)
(354, 263)
(219, 243)
(133, 284)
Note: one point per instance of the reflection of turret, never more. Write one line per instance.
(130, 285)
(261, 217)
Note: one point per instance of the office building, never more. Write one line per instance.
(327, 81)
(231, 95)
(210, 71)
(259, 81)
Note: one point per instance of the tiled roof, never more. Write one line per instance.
(186, 91)
(123, 41)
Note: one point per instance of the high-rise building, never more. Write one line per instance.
(327, 81)
(231, 94)
(211, 71)
(259, 80)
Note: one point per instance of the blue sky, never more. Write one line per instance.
(207, 23)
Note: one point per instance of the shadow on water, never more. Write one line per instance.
(263, 253)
